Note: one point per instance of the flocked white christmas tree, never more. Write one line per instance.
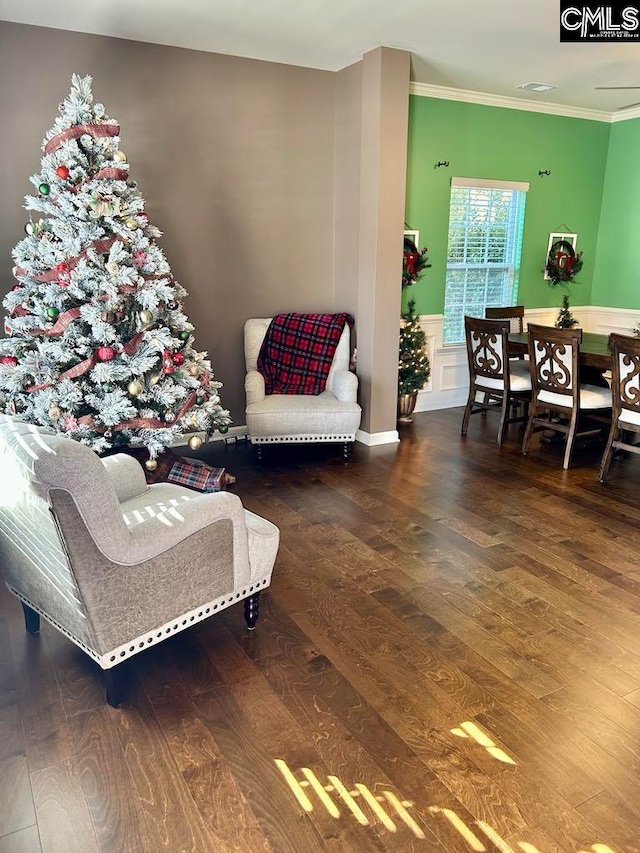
(98, 346)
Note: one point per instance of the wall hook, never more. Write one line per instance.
(442, 163)
(543, 172)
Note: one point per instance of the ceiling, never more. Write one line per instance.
(490, 46)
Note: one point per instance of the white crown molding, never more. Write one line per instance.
(426, 90)
(625, 115)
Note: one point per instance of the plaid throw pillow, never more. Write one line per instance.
(297, 352)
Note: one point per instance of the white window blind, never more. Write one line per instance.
(486, 220)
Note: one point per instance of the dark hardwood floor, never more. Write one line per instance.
(448, 659)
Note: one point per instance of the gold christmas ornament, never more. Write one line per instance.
(194, 370)
(131, 223)
(54, 412)
(112, 267)
(155, 378)
(151, 464)
(135, 387)
(119, 156)
(145, 317)
(195, 442)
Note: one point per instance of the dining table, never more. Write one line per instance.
(595, 354)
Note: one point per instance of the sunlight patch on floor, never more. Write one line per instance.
(388, 808)
(471, 730)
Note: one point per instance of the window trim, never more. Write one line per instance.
(487, 184)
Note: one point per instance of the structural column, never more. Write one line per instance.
(372, 108)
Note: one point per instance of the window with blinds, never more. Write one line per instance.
(486, 220)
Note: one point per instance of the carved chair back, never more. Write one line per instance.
(513, 313)
(487, 351)
(554, 356)
(625, 394)
(625, 370)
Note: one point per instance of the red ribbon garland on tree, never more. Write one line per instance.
(78, 130)
(99, 246)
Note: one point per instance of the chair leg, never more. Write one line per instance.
(251, 610)
(31, 619)
(570, 440)
(503, 418)
(114, 684)
(528, 431)
(259, 452)
(467, 411)
(608, 453)
(346, 451)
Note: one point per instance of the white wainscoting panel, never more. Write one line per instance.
(607, 320)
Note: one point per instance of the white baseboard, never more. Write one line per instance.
(373, 439)
(427, 402)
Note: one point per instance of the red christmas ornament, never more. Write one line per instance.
(168, 367)
(178, 358)
(11, 360)
(62, 172)
(106, 353)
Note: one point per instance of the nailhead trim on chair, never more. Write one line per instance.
(127, 650)
(291, 439)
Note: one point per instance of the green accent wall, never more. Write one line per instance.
(616, 281)
(509, 145)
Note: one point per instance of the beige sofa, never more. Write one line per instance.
(113, 563)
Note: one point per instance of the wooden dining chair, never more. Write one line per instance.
(625, 392)
(493, 378)
(559, 402)
(513, 313)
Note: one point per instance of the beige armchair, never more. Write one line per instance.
(332, 416)
(114, 564)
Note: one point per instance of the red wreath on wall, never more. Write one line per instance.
(414, 262)
(562, 263)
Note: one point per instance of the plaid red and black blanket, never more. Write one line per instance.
(297, 352)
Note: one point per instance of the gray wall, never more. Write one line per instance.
(235, 158)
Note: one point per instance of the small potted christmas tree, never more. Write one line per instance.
(413, 365)
(565, 319)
